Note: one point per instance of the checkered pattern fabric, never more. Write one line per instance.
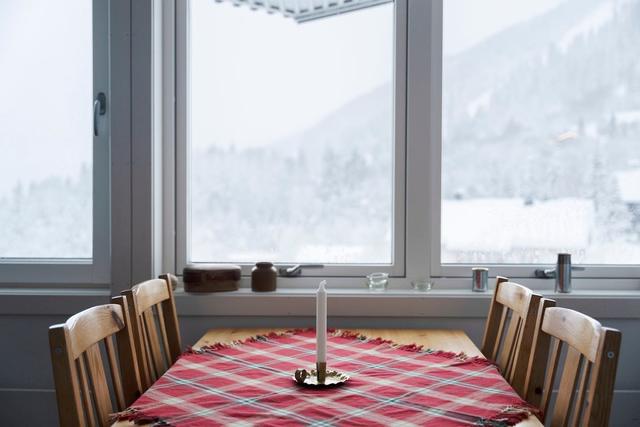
(250, 383)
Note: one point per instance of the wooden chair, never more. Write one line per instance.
(590, 364)
(154, 325)
(82, 391)
(509, 331)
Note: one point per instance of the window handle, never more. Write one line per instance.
(99, 109)
(296, 270)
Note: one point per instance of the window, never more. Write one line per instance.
(292, 146)
(53, 180)
(540, 132)
(415, 137)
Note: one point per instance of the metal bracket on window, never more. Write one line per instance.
(296, 270)
(550, 273)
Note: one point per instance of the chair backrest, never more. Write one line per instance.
(590, 365)
(82, 389)
(154, 324)
(509, 331)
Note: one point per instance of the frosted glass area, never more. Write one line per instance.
(541, 131)
(291, 141)
(45, 129)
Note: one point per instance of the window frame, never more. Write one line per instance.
(94, 271)
(450, 270)
(182, 89)
(418, 77)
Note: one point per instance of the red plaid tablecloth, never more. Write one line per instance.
(249, 383)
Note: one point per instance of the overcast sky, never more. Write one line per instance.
(257, 77)
(468, 22)
(260, 77)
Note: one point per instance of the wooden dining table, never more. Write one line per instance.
(455, 341)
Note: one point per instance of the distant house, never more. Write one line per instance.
(567, 136)
(629, 187)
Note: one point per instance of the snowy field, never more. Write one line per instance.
(494, 230)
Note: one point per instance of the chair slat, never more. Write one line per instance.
(164, 339)
(149, 362)
(572, 364)
(582, 391)
(99, 386)
(504, 318)
(513, 359)
(86, 394)
(154, 343)
(505, 360)
(550, 378)
(114, 371)
(132, 375)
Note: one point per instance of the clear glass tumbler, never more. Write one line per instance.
(422, 285)
(378, 281)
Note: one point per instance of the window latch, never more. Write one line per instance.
(296, 270)
(99, 109)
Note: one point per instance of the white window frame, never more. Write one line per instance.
(397, 268)
(462, 270)
(96, 270)
(418, 110)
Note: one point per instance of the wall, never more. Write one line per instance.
(26, 384)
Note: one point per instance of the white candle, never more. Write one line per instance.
(321, 323)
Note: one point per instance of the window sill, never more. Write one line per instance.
(459, 303)
(347, 302)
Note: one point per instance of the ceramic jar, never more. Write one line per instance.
(264, 277)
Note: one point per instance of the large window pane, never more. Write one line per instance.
(541, 131)
(45, 129)
(291, 135)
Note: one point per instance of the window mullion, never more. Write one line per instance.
(422, 128)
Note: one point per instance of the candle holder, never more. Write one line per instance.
(319, 377)
(321, 372)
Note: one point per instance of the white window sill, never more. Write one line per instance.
(345, 302)
(359, 302)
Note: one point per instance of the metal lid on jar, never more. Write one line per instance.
(264, 264)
